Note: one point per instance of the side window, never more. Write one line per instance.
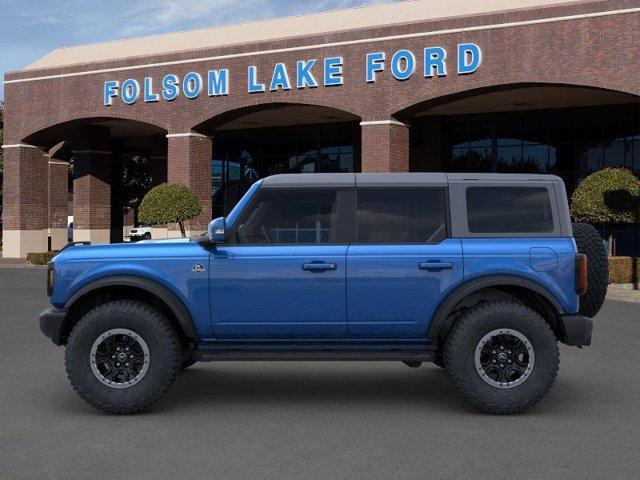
(509, 210)
(402, 215)
(289, 217)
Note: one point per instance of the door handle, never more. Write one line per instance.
(435, 266)
(319, 267)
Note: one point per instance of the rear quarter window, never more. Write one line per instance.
(509, 210)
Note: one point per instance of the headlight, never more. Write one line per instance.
(50, 278)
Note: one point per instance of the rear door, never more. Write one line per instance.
(402, 263)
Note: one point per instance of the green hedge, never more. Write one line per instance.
(621, 270)
(610, 195)
(40, 258)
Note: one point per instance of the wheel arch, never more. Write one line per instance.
(509, 285)
(126, 286)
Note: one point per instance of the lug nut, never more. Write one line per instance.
(117, 364)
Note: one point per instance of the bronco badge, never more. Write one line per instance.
(197, 268)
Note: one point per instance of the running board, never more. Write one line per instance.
(212, 355)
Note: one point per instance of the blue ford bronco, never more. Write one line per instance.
(481, 274)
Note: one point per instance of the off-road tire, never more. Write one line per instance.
(465, 336)
(165, 356)
(590, 243)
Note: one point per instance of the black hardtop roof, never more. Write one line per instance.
(411, 179)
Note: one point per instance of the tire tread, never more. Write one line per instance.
(589, 243)
(164, 330)
(457, 337)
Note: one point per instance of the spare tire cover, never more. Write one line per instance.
(590, 243)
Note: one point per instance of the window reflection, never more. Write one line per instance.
(571, 143)
(242, 157)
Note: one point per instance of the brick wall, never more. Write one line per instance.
(385, 148)
(589, 52)
(25, 189)
(189, 164)
(58, 188)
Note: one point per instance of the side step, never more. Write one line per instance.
(236, 354)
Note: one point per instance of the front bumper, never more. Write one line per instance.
(577, 330)
(52, 323)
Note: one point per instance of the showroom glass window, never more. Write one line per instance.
(570, 143)
(241, 157)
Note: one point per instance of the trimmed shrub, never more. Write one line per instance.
(609, 195)
(169, 203)
(40, 258)
(621, 270)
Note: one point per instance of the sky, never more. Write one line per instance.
(30, 29)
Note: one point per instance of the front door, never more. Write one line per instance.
(402, 264)
(282, 274)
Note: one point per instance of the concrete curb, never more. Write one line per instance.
(22, 265)
(623, 294)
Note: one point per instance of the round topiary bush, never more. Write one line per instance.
(169, 203)
(609, 195)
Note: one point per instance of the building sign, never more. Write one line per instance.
(309, 73)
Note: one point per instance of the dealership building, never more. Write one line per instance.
(548, 86)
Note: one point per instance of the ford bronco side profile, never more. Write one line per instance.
(482, 274)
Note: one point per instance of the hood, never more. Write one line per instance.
(145, 248)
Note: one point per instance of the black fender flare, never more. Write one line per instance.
(439, 319)
(163, 293)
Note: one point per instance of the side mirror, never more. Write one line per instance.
(217, 229)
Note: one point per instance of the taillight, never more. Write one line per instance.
(581, 274)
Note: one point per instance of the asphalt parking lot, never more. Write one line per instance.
(315, 420)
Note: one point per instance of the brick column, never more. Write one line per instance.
(92, 185)
(385, 146)
(58, 190)
(117, 208)
(92, 196)
(189, 164)
(24, 200)
(159, 175)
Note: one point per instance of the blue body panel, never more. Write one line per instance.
(263, 292)
(389, 295)
(549, 262)
(320, 293)
(167, 262)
